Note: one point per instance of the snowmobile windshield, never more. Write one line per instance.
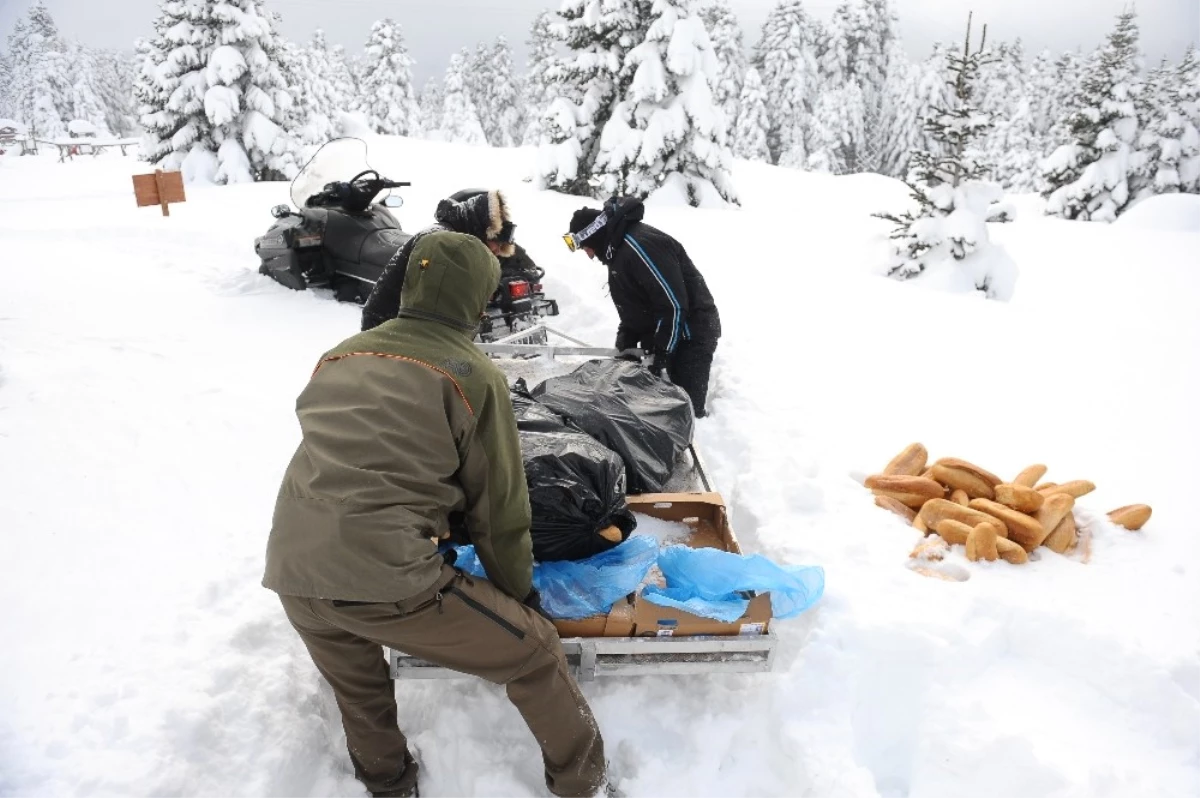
(340, 160)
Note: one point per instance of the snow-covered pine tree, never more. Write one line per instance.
(728, 44)
(876, 43)
(460, 119)
(220, 98)
(479, 77)
(84, 99)
(1040, 88)
(1090, 178)
(41, 89)
(433, 105)
(594, 77)
(1010, 145)
(1170, 140)
(902, 110)
(1156, 116)
(1188, 95)
(946, 240)
(667, 133)
(345, 84)
(6, 84)
(935, 89)
(321, 91)
(502, 121)
(750, 134)
(786, 60)
(542, 71)
(836, 126)
(385, 82)
(115, 75)
(1068, 75)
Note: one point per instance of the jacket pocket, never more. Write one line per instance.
(450, 590)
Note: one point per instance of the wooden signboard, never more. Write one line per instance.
(160, 188)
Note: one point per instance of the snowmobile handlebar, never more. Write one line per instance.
(354, 195)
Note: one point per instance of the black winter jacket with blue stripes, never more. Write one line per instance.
(660, 296)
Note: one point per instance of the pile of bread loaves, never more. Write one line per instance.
(969, 506)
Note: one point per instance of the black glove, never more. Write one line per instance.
(632, 355)
(534, 602)
(655, 364)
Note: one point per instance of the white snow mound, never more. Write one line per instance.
(1179, 213)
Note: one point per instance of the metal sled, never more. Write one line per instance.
(591, 658)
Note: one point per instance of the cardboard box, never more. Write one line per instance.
(618, 623)
(705, 514)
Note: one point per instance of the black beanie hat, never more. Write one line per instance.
(580, 220)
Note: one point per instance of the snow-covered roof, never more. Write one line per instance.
(80, 127)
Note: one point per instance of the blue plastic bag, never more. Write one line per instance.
(706, 582)
(573, 589)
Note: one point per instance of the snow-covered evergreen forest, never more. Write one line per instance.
(632, 96)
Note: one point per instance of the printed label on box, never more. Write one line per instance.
(666, 632)
(751, 629)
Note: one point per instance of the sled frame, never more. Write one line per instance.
(591, 658)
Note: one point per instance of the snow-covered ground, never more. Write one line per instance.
(147, 382)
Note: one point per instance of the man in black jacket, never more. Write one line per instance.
(664, 305)
(478, 212)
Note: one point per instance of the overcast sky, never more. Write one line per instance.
(435, 28)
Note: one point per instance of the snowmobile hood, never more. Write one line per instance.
(449, 279)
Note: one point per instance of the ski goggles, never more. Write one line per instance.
(575, 240)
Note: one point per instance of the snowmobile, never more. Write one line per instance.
(343, 233)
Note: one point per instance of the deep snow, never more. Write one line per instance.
(147, 383)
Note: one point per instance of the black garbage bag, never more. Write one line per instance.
(646, 420)
(576, 485)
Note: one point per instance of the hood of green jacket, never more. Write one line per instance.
(449, 279)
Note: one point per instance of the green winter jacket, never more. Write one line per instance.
(402, 425)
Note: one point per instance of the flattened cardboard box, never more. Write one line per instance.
(705, 514)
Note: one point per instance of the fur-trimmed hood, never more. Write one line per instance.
(484, 214)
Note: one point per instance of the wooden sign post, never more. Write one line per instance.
(161, 188)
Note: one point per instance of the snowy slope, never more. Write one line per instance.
(147, 381)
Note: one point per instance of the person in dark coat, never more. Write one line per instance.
(662, 300)
(477, 212)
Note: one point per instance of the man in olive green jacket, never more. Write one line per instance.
(403, 425)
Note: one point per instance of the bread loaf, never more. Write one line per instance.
(981, 543)
(910, 491)
(909, 463)
(961, 479)
(1063, 538)
(1030, 476)
(1011, 552)
(611, 534)
(900, 509)
(1057, 507)
(936, 510)
(963, 465)
(953, 532)
(1021, 528)
(1075, 488)
(1019, 497)
(1132, 516)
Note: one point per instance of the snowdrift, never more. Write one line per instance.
(1178, 213)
